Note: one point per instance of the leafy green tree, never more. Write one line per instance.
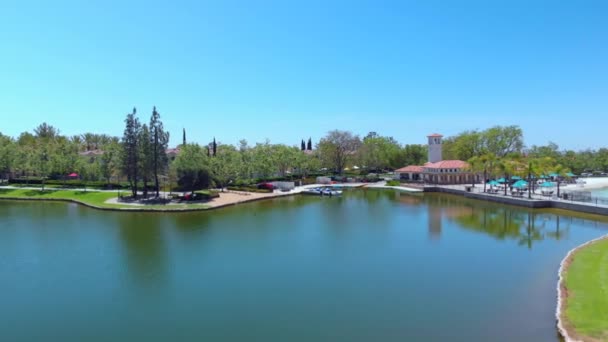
(337, 148)
(226, 165)
(378, 152)
(109, 161)
(7, 148)
(500, 141)
(191, 167)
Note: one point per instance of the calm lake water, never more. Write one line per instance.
(370, 266)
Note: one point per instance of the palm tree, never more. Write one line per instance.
(561, 172)
(485, 163)
(507, 166)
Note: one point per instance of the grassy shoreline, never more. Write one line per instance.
(93, 199)
(583, 291)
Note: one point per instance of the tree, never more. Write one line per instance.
(484, 163)
(309, 146)
(130, 150)
(108, 161)
(7, 150)
(302, 145)
(191, 167)
(159, 145)
(146, 156)
(498, 140)
(214, 147)
(46, 131)
(338, 148)
(184, 136)
(378, 153)
(226, 166)
(507, 166)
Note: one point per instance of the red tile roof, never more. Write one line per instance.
(411, 168)
(447, 164)
(434, 135)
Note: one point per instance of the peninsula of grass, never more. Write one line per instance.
(95, 199)
(585, 292)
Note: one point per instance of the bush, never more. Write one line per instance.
(393, 183)
(249, 189)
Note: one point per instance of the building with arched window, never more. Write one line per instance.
(437, 170)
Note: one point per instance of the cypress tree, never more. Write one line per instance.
(184, 137)
(302, 145)
(309, 144)
(214, 147)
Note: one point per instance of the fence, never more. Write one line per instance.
(584, 197)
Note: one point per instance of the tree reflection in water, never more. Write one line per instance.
(526, 226)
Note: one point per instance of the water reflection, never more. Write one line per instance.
(527, 227)
(144, 248)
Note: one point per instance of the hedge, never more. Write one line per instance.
(249, 189)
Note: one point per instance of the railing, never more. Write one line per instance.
(584, 197)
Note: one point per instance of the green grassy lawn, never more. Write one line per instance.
(587, 282)
(95, 198)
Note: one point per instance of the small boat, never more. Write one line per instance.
(323, 191)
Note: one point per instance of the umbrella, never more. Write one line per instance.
(553, 175)
(570, 174)
(501, 180)
(547, 185)
(493, 183)
(515, 178)
(73, 174)
(520, 184)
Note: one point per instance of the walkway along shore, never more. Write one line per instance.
(587, 208)
(564, 328)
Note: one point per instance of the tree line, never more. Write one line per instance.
(140, 156)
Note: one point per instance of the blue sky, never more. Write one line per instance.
(286, 70)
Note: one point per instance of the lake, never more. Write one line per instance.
(371, 265)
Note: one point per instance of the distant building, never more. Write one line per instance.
(172, 153)
(437, 170)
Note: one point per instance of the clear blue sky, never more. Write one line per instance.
(287, 70)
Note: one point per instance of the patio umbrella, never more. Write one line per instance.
(501, 180)
(520, 184)
(493, 183)
(553, 175)
(547, 185)
(515, 178)
(570, 174)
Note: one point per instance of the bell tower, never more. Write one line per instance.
(435, 148)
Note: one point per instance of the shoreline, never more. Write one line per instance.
(563, 326)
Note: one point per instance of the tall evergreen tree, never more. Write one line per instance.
(303, 145)
(145, 156)
(184, 136)
(208, 151)
(309, 147)
(159, 143)
(130, 151)
(214, 147)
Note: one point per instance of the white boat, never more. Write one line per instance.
(323, 191)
